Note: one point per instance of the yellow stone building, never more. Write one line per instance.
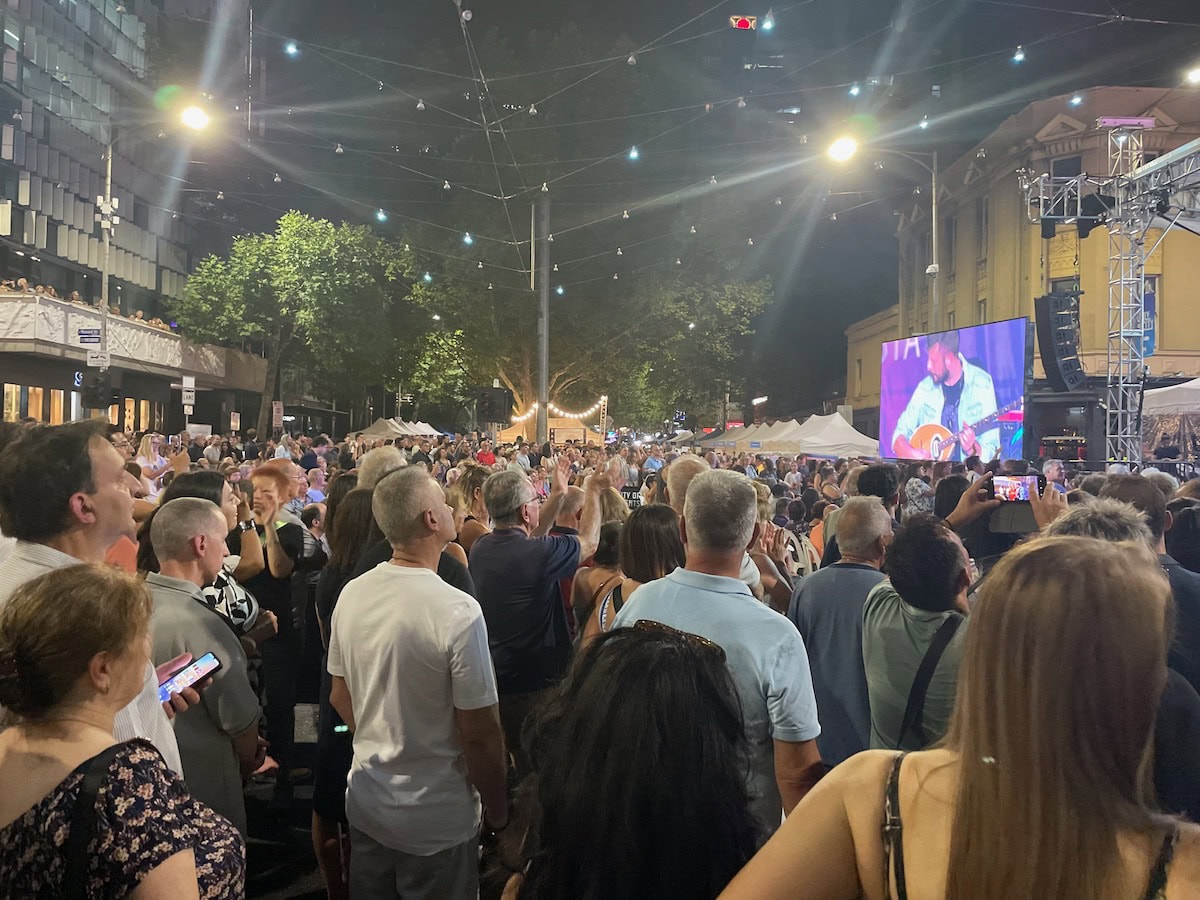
(994, 261)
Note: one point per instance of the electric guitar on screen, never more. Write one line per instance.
(935, 441)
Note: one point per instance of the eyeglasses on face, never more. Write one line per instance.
(694, 639)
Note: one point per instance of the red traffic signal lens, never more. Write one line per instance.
(743, 23)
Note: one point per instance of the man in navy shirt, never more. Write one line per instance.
(516, 570)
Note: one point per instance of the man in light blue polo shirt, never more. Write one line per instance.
(765, 653)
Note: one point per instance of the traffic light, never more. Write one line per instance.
(97, 391)
(744, 23)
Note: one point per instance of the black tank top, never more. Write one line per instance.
(893, 845)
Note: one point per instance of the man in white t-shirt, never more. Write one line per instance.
(413, 678)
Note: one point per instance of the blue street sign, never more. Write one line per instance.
(89, 335)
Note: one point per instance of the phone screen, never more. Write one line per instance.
(196, 670)
(1014, 488)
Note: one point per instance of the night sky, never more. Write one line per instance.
(827, 274)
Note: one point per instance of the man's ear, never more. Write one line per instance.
(81, 509)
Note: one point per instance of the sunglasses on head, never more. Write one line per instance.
(693, 639)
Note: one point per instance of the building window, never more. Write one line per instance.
(858, 379)
(982, 314)
(981, 228)
(56, 407)
(36, 407)
(130, 414)
(12, 403)
(949, 247)
(144, 422)
(1067, 167)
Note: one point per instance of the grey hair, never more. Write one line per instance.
(400, 500)
(1164, 481)
(863, 521)
(1103, 518)
(377, 463)
(177, 521)
(851, 485)
(504, 493)
(720, 511)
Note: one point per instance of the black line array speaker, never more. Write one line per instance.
(1057, 317)
(495, 404)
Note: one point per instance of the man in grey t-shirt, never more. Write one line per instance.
(827, 609)
(930, 575)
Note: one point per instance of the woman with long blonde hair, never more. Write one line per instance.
(1041, 788)
(477, 522)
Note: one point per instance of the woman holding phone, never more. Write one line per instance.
(74, 645)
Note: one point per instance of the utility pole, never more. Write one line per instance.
(935, 319)
(107, 206)
(541, 272)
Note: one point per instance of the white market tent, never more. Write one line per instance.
(728, 439)
(824, 436)
(765, 433)
(1179, 399)
(682, 438)
(382, 428)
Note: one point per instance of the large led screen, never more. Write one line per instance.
(956, 394)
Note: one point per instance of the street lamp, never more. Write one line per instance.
(193, 117)
(843, 149)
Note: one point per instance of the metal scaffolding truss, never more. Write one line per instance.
(1131, 200)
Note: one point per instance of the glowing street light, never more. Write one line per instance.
(843, 149)
(292, 49)
(195, 118)
(1193, 76)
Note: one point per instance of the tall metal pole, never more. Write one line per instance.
(935, 319)
(106, 226)
(542, 219)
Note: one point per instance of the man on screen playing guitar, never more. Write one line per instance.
(954, 398)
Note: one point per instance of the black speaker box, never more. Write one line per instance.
(1057, 317)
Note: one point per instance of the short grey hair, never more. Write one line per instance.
(377, 463)
(504, 493)
(177, 521)
(1103, 518)
(720, 511)
(1164, 481)
(862, 523)
(851, 485)
(400, 500)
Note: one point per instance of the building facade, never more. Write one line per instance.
(994, 261)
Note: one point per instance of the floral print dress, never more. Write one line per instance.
(144, 815)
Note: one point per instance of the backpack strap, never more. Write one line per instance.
(83, 823)
(914, 710)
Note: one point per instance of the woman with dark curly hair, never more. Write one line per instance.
(600, 817)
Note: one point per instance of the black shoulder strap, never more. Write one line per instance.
(1157, 888)
(617, 601)
(83, 824)
(915, 708)
(893, 833)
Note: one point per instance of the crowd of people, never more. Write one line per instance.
(22, 286)
(594, 671)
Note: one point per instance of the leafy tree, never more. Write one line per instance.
(310, 290)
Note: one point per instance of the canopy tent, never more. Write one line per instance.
(1179, 399)
(382, 428)
(748, 434)
(682, 438)
(824, 436)
(765, 433)
(725, 439)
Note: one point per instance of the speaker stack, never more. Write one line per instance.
(1057, 317)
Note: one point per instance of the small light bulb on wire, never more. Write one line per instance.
(833, 218)
(220, 195)
(278, 179)
(855, 90)
(633, 154)
(380, 215)
(768, 22)
(632, 60)
(556, 267)
(625, 214)
(490, 288)
(560, 290)
(467, 239)
(446, 186)
(924, 123)
(479, 265)
(381, 85)
(533, 109)
(678, 261)
(691, 326)
(779, 201)
(749, 242)
(467, 15)
(420, 105)
(692, 230)
(741, 104)
(1077, 100)
(1019, 54)
(620, 252)
(545, 187)
(713, 180)
(550, 238)
(427, 278)
(339, 149)
(616, 277)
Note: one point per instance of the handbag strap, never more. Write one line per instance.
(914, 710)
(893, 833)
(83, 823)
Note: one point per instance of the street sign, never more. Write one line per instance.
(89, 335)
(97, 359)
(187, 410)
(189, 396)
